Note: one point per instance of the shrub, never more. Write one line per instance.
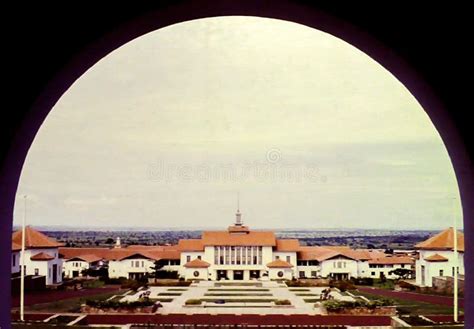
(363, 281)
(335, 305)
(342, 285)
(114, 304)
(282, 302)
(193, 302)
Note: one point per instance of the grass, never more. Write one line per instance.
(93, 284)
(312, 300)
(169, 294)
(412, 307)
(306, 295)
(177, 289)
(300, 289)
(238, 289)
(162, 300)
(68, 305)
(237, 294)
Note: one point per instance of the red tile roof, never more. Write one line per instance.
(190, 245)
(320, 253)
(278, 263)
(225, 238)
(197, 263)
(87, 258)
(16, 246)
(436, 258)
(42, 256)
(393, 260)
(443, 241)
(34, 239)
(287, 245)
(152, 252)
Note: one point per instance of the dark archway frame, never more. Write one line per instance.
(285, 10)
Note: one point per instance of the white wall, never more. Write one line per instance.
(374, 272)
(69, 266)
(308, 269)
(287, 273)
(122, 268)
(348, 266)
(202, 273)
(432, 268)
(283, 255)
(44, 267)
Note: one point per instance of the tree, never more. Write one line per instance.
(402, 273)
(157, 266)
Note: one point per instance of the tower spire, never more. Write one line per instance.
(238, 215)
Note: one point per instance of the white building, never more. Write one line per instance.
(238, 253)
(437, 257)
(385, 267)
(41, 255)
(75, 266)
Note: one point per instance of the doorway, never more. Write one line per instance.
(238, 275)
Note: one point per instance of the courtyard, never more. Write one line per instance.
(237, 297)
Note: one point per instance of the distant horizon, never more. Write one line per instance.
(203, 228)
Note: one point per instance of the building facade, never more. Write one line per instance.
(437, 257)
(41, 256)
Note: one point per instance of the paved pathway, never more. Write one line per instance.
(274, 290)
(432, 299)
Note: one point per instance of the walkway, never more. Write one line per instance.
(432, 299)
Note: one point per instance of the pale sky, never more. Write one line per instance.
(166, 130)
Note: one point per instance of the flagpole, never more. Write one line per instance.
(456, 260)
(22, 278)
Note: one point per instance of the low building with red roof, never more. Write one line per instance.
(41, 256)
(437, 257)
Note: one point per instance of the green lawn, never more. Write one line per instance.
(307, 295)
(177, 289)
(162, 300)
(411, 306)
(68, 305)
(298, 290)
(169, 294)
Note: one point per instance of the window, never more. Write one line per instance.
(372, 273)
(314, 274)
(221, 260)
(403, 265)
(199, 257)
(280, 274)
(14, 260)
(36, 271)
(302, 274)
(440, 272)
(188, 259)
(196, 273)
(277, 257)
(288, 259)
(143, 263)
